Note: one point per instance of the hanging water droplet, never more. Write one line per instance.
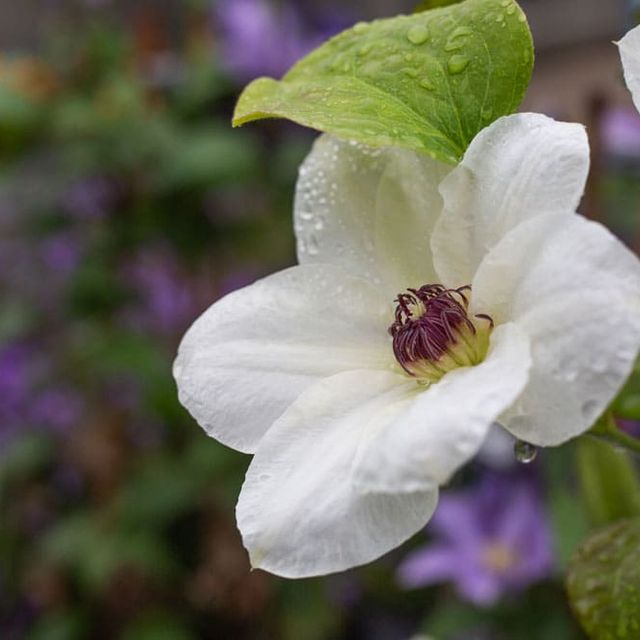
(524, 452)
(457, 64)
(418, 34)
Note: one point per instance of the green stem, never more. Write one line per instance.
(607, 429)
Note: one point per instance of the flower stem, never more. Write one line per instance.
(607, 429)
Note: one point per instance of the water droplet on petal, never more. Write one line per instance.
(524, 452)
(418, 34)
(457, 64)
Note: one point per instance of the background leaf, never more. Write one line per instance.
(608, 481)
(428, 82)
(604, 582)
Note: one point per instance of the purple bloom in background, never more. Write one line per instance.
(632, 427)
(489, 540)
(61, 253)
(17, 372)
(259, 38)
(56, 409)
(90, 198)
(621, 132)
(164, 298)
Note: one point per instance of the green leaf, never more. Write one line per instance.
(604, 583)
(428, 82)
(608, 481)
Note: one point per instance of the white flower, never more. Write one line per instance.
(535, 325)
(630, 53)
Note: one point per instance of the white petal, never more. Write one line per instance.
(630, 53)
(370, 211)
(449, 422)
(521, 166)
(575, 290)
(247, 358)
(299, 511)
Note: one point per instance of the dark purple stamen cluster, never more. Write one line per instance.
(426, 323)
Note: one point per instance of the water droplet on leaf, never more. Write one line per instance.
(457, 64)
(525, 452)
(418, 34)
(425, 83)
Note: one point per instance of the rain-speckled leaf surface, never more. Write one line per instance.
(428, 82)
(604, 582)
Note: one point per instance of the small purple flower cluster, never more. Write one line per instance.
(489, 541)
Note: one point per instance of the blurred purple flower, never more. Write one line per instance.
(261, 38)
(61, 253)
(489, 540)
(25, 402)
(621, 132)
(90, 198)
(164, 302)
(56, 409)
(632, 427)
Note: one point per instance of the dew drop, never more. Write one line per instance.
(425, 83)
(365, 49)
(511, 10)
(524, 452)
(457, 64)
(412, 73)
(522, 18)
(499, 18)
(457, 38)
(418, 34)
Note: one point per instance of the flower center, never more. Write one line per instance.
(499, 557)
(433, 333)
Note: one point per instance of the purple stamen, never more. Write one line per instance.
(428, 323)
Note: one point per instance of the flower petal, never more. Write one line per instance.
(575, 290)
(448, 422)
(432, 564)
(521, 166)
(299, 512)
(630, 54)
(247, 358)
(371, 211)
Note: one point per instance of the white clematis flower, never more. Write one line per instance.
(429, 304)
(630, 54)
